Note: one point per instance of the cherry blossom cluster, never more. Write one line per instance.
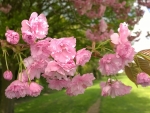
(96, 8)
(54, 59)
(110, 64)
(99, 32)
(57, 59)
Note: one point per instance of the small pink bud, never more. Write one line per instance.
(12, 37)
(8, 75)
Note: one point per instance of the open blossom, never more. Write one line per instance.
(60, 70)
(58, 84)
(143, 79)
(122, 37)
(34, 89)
(8, 75)
(12, 37)
(114, 88)
(110, 64)
(36, 25)
(41, 49)
(37, 67)
(16, 89)
(34, 67)
(102, 25)
(79, 84)
(63, 49)
(82, 56)
(28, 37)
(125, 52)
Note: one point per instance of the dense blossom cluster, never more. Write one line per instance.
(96, 8)
(54, 59)
(110, 64)
(100, 32)
(57, 59)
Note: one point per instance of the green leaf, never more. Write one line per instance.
(145, 54)
(131, 71)
(144, 64)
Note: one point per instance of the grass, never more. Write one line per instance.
(59, 102)
(138, 101)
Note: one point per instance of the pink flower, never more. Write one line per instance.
(110, 64)
(53, 70)
(115, 38)
(28, 61)
(12, 37)
(124, 32)
(58, 84)
(82, 56)
(122, 37)
(79, 84)
(36, 25)
(60, 70)
(63, 49)
(34, 67)
(102, 25)
(23, 76)
(8, 75)
(41, 49)
(88, 79)
(34, 89)
(143, 79)
(16, 89)
(114, 88)
(125, 52)
(28, 37)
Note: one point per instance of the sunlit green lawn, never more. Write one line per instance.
(138, 101)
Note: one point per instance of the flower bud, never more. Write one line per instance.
(12, 37)
(8, 75)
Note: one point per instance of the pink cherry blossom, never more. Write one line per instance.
(69, 67)
(83, 56)
(88, 79)
(58, 84)
(34, 89)
(102, 25)
(143, 79)
(60, 70)
(122, 37)
(16, 89)
(34, 67)
(41, 49)
(63, 49)
(37, 25)
(28, 37)
(12, 37)
(114, 88)
(28, 61)
(125, 52)
(115, 38)
(110, 64)
(124, 32)
(8, 75)
(23, 76)
(79, 84)
(53, 70)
